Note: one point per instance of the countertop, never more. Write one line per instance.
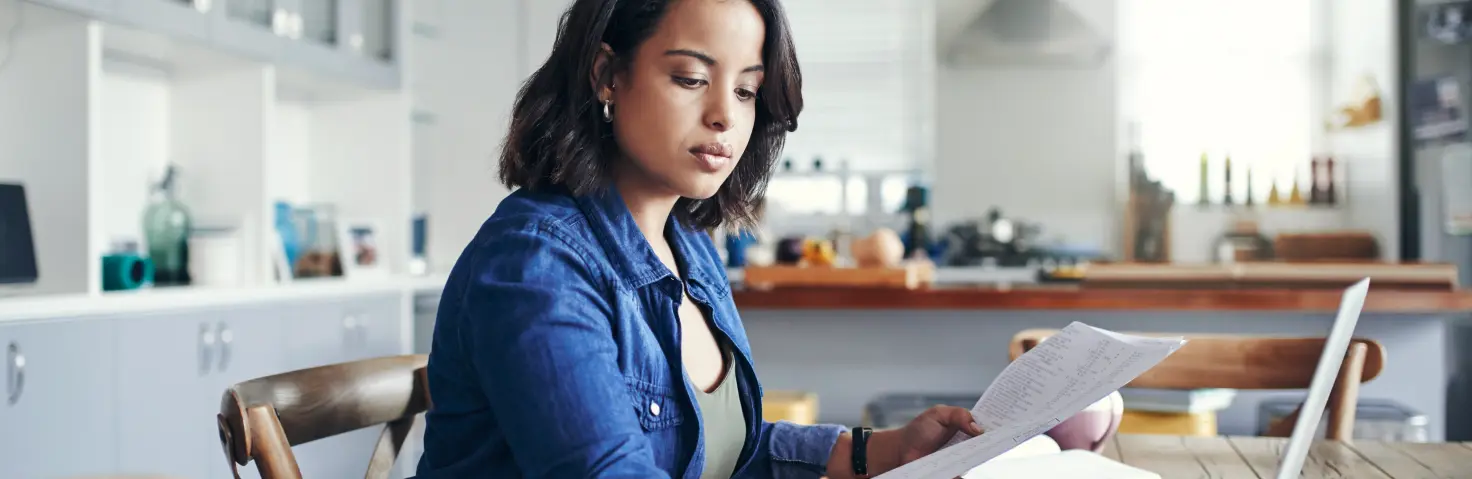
(20, 307)
(1023, 296)
(1072, 297)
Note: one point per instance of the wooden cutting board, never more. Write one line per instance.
(908, 276)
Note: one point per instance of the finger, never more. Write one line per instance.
(960, 418)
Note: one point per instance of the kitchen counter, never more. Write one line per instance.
(22, 308)
(1072, 297)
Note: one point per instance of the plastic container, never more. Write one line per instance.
(1375, 419)
(894, 410)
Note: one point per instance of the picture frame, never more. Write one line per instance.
(360, 248)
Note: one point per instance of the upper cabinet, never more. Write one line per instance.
(186, 19)
(86, 7)
(352, 41)
(253, 28)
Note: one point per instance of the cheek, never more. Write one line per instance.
(647, 125)
(745, 128)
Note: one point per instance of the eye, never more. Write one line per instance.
(745, 94)
(688, 82)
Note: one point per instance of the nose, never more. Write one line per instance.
(719, 111)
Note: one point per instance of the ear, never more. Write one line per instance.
(602, 76)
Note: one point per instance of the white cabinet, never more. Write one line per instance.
(188, 19)
(327, 332)
(56, 410)
(85, 7)
(137, 394)
(173, 370)
(175, 367)
(250, 27)
(337, 331)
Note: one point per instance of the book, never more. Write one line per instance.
(1074, 368)
(1177, 400)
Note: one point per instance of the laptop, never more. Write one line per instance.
(17, 248)
(1306, 429)
(1081, 463)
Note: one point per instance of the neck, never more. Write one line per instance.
(651, 210)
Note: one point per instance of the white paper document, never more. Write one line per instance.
(1055, 380)
(1072, 463)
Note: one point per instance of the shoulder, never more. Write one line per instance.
(524, 212)
(532, 237)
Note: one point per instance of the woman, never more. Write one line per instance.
(588, 330)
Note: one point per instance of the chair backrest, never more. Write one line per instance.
(1247, 362)
(261, 419)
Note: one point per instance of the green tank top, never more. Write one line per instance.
(723, 424)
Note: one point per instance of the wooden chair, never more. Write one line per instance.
(1262, 363)
(263, 418)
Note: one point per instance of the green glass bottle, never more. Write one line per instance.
(1205, 184)
(166, 224)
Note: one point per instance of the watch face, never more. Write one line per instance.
(1003, 231)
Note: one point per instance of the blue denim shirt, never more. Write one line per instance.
(556, 353)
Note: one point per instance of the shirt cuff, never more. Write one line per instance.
(801, 452)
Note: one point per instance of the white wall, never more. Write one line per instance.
(464, 81)
(1038, 143)
(133, 145)
(45, 86)
(1363, 36)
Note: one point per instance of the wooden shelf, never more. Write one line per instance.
(101, 95)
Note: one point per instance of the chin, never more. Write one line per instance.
(701, 189)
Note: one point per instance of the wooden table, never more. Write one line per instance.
(1257, 457)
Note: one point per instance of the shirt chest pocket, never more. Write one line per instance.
(657, 407)
(660, 416)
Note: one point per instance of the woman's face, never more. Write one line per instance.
(683, 110)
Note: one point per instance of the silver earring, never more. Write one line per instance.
(607, 115)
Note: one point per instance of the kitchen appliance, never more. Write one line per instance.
(1243, 243)
(1027, 33)
(995, 241)
(1434, 75)
(17, 247)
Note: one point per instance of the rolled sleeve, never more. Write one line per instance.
(799, 451)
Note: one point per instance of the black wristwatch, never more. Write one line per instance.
(860, 454)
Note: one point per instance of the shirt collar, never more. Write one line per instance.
(626, 248)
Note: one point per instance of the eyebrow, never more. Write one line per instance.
(707, 60)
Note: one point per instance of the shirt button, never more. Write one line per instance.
(654, 409)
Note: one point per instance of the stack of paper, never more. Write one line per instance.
(1052, 382)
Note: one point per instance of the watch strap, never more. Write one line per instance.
(860, 454)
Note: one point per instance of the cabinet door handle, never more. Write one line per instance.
(206, 349)
(227, 338)
(280, 22)
(16, 380)
(349, 331)
(362, 335)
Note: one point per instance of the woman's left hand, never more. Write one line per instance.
(930, 430)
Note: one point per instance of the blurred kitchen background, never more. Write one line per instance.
(294, 178)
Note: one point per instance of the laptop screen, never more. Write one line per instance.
(17, 248)
(1337, 344)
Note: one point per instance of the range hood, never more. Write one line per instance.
(1028, 33)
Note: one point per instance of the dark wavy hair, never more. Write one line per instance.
(558, 136)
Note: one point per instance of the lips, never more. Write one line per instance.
(713, 149)
(712, 156)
